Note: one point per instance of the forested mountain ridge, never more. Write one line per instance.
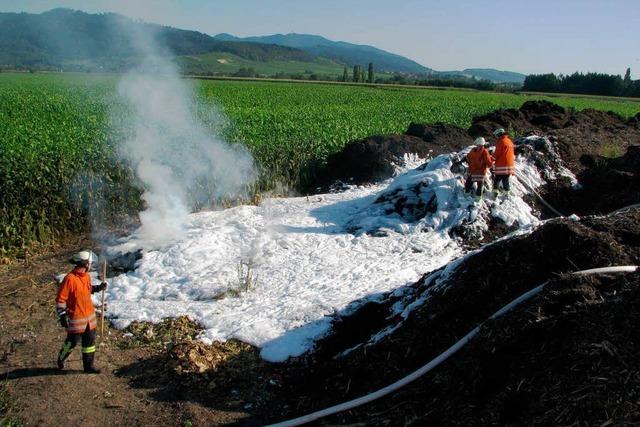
(70, 40)
(342, 52)
(63, 36)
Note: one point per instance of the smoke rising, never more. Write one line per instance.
(180, 163)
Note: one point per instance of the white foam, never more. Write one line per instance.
(306, 264)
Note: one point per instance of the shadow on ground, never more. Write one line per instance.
(36, 372)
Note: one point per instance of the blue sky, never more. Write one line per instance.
(530, 36)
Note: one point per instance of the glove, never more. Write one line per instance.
(101, 287)
(63, 317)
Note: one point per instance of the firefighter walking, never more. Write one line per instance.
(76, 312)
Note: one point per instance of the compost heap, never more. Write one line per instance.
(569, 356)
(575, 343)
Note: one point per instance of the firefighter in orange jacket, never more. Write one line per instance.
(479, 161)
(505, 161)
(76, 313)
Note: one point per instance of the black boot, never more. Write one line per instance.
(87, 363)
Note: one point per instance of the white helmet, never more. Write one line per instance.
(480, 141)
(499, 132)
(84, 258)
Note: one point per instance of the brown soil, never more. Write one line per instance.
(577, 133)
(373, 159)
(37, 393)
(606, 185)
(568, 357)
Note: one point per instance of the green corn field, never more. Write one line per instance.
(58, 142)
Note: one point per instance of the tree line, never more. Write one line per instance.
(589, 83)
(359, 75)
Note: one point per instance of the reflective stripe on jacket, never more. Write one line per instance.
(505, 156)
(479, 161)
(74, 294)
(478, 178)
(504, 170)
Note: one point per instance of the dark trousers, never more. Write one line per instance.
(88, 339)
(468, 186)
(504, 179)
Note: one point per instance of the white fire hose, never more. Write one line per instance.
(554, 210)
(626, 208)
(544, 202)
(442, 357)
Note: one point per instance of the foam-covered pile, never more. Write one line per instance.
(431, 198)
(310, 257)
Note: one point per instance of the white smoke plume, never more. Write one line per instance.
(179, 161)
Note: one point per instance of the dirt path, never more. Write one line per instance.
(38, 394)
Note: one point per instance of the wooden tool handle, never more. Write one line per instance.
(103, 278)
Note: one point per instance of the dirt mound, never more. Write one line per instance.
(199, 358)
(577, 133)
(630, 162)
(375, 158)
(523, 262)
(569, 358)
(533, 115)
(160, 335)
(220, 375)
(542, 116)
(458, 300)
(605, 185)
(592, 146)
(432, 191)
(441, 134)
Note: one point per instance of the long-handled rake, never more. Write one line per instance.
(103, 277)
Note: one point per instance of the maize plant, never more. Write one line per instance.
(59, 139)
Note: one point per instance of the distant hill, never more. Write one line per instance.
(77, 41)
(341, 52)
(228, 64)
(490, 74)
(352, 54)
(69, 39)
(66, 37)
(495, 75)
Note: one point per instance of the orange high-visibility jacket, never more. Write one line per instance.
(75, 295)
(479, 161)
(505, 156)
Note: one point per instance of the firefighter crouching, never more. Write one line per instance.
(76, 313)
(479, 161)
